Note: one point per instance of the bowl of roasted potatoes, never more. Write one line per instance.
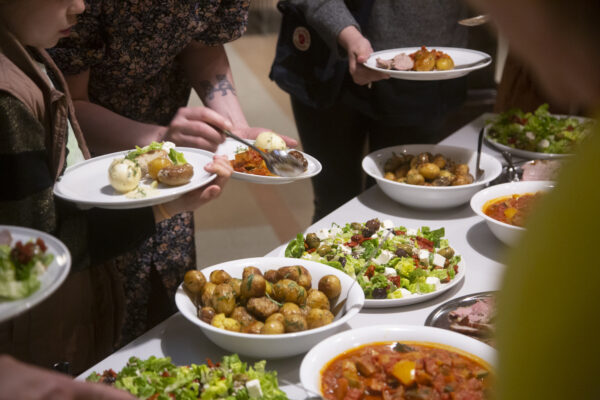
(430, 176)
(268, 307)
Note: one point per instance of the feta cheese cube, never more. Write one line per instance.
(334, 231)
(405, 292)
(530, 135)
(439, 260)
(390, 271)
(411, 232)
(387, 224)
(323, 233)
(254, 390)
(424, 256)
(432, 280)
(544, 143)
(384, 257)
(345, 249)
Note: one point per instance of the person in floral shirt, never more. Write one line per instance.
(130, 66)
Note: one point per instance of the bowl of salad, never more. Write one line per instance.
(394, 265)
(443, 192)
(159, 378)
(538, 134)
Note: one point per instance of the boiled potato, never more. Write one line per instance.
(296, 273)
(317, 299)
(439, 160)
(426, 62)
(124, 175)
(461, 169)
(219, 276)
(415, 179)
(270, 141)
(289, 309)
(331, 286)
(318, 317)
(462, 180)
(223, 299)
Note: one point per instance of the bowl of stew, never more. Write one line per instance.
(398, 361)
(506, 207)
(429, 195)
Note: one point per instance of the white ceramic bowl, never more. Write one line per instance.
(507, 233)
(274, 346)
(430, 197)
(320, 355)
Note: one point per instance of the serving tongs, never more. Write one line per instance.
(279, 162)
(478, 170)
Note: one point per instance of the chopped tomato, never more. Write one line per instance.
(370, 271)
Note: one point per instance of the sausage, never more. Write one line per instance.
(176, 175)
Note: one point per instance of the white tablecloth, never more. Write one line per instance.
(467, 233)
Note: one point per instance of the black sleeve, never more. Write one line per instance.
(114, 232)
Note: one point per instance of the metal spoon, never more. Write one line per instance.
(279, 162)
(512, 172)
(479, 171)
(475, 21)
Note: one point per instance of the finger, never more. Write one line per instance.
(198, 128)
(97, 391)
(289, 142)
(207, 115)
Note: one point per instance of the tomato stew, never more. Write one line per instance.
(250, 162)
(512, 210)
(405, 370)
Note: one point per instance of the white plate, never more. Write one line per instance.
(281, 345)
(87, 183)
(419, 298)
(230, 147)
(54, 276)
(459, 56)
(529, 155)
(320, 355)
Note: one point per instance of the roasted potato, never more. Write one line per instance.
(254, 328)
(206, 314)
(298, 273)
(273, 327)
(219, 276)
(262, 307)
(425, 62)
(251, 270)
(318, 317)
(194, 281)
(241, 315)
(331, 286)
(272, 275)
(461, 169)
(286, 290)
(230, 324)
(295, 323)
(317, 299)
(278, 316)
(289, 309)
(236, 285)
(253, 286)
(207, 292)
(444, 63)
(223, 299)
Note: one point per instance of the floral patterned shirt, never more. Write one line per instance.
(131, 49)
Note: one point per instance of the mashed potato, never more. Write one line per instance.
(124, 175)
(270, 141)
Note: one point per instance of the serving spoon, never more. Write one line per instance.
(475, 21)
(279, 162)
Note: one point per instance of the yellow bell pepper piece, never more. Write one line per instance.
(510, 212)
(404, 371)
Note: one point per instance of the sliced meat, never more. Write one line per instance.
(403, 62)
(385, 64)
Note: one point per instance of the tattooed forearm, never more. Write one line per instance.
(207, 89)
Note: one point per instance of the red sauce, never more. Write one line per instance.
(408, 370)
(250, 162)
(512, 210)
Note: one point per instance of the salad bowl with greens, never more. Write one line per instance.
(159, 379)
(538, 134)
(393, 264)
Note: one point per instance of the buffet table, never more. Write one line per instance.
(467, 233)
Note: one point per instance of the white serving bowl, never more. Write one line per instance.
(274, 346)
(507, 233)
(431, 197)
(319, 356)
